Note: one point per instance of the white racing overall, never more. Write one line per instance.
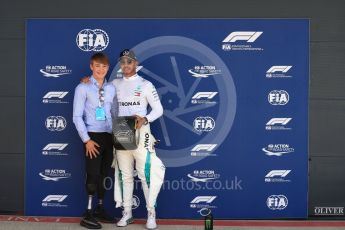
(134, 94)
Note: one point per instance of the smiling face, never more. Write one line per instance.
(99, 70)
(128, 66)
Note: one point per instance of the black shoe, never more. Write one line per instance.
(89, 221)
(100, 214)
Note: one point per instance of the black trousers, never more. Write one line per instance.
(97, 168)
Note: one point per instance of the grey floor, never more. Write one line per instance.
(13, 225)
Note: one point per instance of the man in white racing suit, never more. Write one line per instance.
(134, 94)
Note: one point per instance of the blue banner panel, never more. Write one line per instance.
(234, 134)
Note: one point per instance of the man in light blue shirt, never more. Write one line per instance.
(92, 117)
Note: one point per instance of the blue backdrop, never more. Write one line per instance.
(234, 134)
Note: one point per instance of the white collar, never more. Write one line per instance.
(131, 78)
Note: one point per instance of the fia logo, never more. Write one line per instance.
(278, 97)
(277, 202)
(92, 40)
(56, 123)
(204, 124)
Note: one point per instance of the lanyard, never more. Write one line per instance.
(101, 97)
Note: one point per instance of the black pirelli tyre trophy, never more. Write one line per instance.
(124, 133)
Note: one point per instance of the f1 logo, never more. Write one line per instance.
(279, 68)
(55, 146)
(207, 95)
(57, 94)
(249, 36)
(281, 121)
(280, 173)
(206, 199)
(204, 147)
(57, 198)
